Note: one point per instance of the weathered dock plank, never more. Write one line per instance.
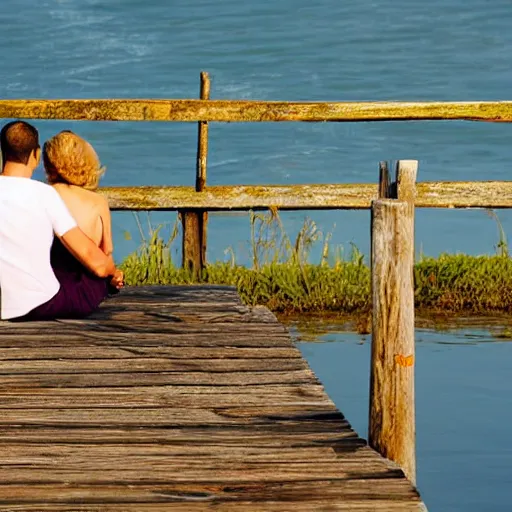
(177, 398)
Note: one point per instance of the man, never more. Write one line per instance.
(31, 213)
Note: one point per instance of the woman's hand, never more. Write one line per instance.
(117, 279)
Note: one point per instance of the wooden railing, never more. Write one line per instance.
(392, 418)
(237, 111)
(350, 196)
(193, 203)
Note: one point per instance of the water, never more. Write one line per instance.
(279, 49)
(296, 50)
(463, 404)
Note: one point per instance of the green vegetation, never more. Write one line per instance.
(283, 278)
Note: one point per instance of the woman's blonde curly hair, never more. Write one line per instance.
(72, 160)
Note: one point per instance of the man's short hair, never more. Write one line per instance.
(18, 140)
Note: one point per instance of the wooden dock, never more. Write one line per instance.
(177, 398)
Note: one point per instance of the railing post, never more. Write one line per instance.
(406, 173)
(195, 222)
(384, 182)
(392, 430)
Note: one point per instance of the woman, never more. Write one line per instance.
(73, 169)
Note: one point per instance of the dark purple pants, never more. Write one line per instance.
(80, 291)
(73, 300)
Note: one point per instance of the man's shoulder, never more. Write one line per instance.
(27, 184)
(45, 191)
(43, 187)
(42, 193)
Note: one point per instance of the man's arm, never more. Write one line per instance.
(88, 253)
(74, 239)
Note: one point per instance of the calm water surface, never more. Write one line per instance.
(463, 410)
(299, 50)
(276, 49)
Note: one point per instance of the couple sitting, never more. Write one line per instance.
(55, 240)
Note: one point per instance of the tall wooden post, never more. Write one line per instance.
(195, 222)
(392, 430)
(202, 154)
(406, 174)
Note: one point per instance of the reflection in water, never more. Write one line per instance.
(463, 406)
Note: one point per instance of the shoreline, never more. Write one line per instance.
(360, 323)
(448, 289)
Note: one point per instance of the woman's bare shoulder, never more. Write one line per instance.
(78, 194)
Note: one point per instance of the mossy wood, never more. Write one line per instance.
(440, 194)
(194, 110)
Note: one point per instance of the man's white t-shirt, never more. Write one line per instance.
(30, 213)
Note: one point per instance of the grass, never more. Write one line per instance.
(283, 278)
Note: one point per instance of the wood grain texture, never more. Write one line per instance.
(406, 174)
(392, 418)
(195, 504)
(195, 110)
(384, 180)
(202, 135)
(202, 161)
(438, 194)
(177, 398)
(191, 247)
(194, 223)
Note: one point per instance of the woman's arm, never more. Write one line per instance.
(106, 244)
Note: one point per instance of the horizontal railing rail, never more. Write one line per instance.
(192, 110)
(349, 196)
